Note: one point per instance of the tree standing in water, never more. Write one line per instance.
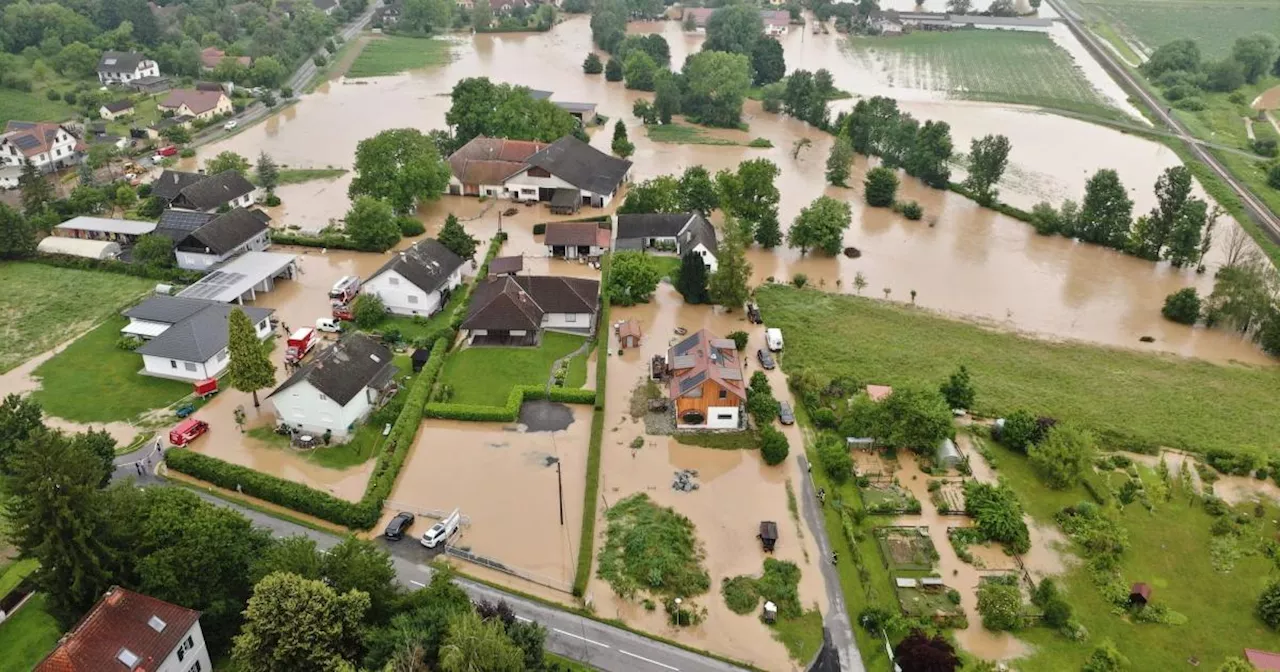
(621, 144)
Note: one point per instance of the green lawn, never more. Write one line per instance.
(300, 175)
(990, 65)
(28, 636)
(95, 381)
(15, 573)
(413, 328)
(43, 306)
(32, 106)
(1214, 24)
(1128, 398)
(565, 664)
(802, 636)
(486, 375)
(395, 54)
(684, 134)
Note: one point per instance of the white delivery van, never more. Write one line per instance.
(773, 339)
(441, 531)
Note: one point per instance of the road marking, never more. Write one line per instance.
(522, 619)
(648, 661)
(418, 583)
(589, 641)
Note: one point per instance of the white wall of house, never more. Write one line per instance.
(196, 261)
(165, 367)
(524, 187)
(111, 116)
(572, 321)
(145, 69)
(61, 153)
(304, 407)
(191, 654)
(402, 297)
(718, 417)
(775, 30)
(571, 251)
(707, 257)
(457, 188)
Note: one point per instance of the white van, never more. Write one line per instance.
(328, 325)
(442, 530)
(773, 339)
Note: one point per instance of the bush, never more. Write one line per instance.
(1191, 104)
(52, 95)
(149, 271)
(69, 97)
(320, 60)
(834, 456)
(911, 210)
(1182, 306)
(998, 514)
(824, 418)
(369, 311)
(740, 339)
(272, 200)
(1268, 608)
(1273, 176)
(1265, 147)
(1000, 604)
(774, 447)
(187, 153)
(800, 280)
(740, 594)
(410, 226)
(129, 343)
(1019, 430)
(881, 187)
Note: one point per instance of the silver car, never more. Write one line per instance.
(785, 415)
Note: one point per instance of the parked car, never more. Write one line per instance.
(398, 526)
(753, 314)
(785, 415)
(766, 359)
(168, 150)
(328, 325)
(442, 530)
(186, 431)
(773, 339)
(230, 125)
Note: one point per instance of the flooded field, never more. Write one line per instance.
(504, 481)
(971, 262)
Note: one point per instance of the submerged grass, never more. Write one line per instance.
(682, 134)
(743, 440)
(1132, 400)
(395, 54)
(651, 548)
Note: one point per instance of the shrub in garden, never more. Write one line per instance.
(1019, 430)
(740, 339)
(774, 446)
(1268, 608)
(1000, 604)
(410, 226)
(911, 210)
(800, 280)
(1182, 306)
(834, 456)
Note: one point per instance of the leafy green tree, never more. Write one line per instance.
(821, 225)
(250, 369)
(774, 446)
(1107, 211)
(1268, 608)
(368, 311)
(768, 232)
(918, 419)
(1236, 664)
(54, 518)
(268, 173)
(639, 71)
(653, 44)
(716, 84)
(880, 187)
(988, 158)
(728, 285)
(1224, 76)
(453, 236)
(930, 155)
(1176, 56)
(292, 623)
(1191, 236)
(293, 555)
(609, 25)
(633, 276)
(958, 390)
(659, 194)
(772, 97)
(421, 626)
(1105, 658)
(592, 65)
(998, 514)
(734, 29)
(17, 235)
(359, 565)
(833, 454)
(801, 99)
(1256, 53)
(692, 281)
(371, 225)
(400, 166)
(750, 194)
(839, 161)
(99, 443)
(472, 645)
(36, 191)
(1182, 306)
(697, 192)
(761, 403)
(1020, 430)
(482, 14)
(225, 161)
(1000, 605)
(77, 60)
(767, 61)
(267, 72)
(154, 250)
(1064, 456)
(613, 71)
(666, 102)
(621, 144)
(689, 23)
(20, 418)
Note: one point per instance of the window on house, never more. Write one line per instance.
(190, 366)
(724, 416)
(173, 364)
(393, 281)
(190, 643)
(322, 397)
(724, 394)
(182, 652)
(195, 668)
(413, 298)
(571, 317)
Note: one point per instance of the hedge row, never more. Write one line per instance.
(290, 494)
(587, 540)
(1002, 208)
(333, 241)
(174, 275)
(509, 412)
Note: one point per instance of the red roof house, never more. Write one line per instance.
(131, 631)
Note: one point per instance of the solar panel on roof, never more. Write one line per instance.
(211, 285)
(687, 345)
(692, 381)
(26, 141)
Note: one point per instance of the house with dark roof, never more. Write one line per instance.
(211, 192)
(123, 67)
(223, 237)
(417, 280)
(326, 7)
(515, 310)
(574, 240)
(480, 167)
(47, 146)
(172, 182)
(116, 109)
(679, 233)
(707, 385)
(131, 631)
(186, 338)
(337, 388)
(571, 169)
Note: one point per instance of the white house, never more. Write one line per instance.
(122, 67)
(116, 109)
(210, 193)
(131, 631)
(776, 22)
(572, 240)
(186, 338)
(678, 233)
(337, 388)
(569, 164)
(196, 103)
(223, 237)
(417, 280)
(47, 146)
(480, 167)
(515, 310)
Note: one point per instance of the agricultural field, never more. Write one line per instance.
(43, 306)
(986, 65)
(1129, 399)
(1214, 24)
(393, 55)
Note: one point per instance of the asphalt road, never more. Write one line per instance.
(1257, 209)
(837, 620)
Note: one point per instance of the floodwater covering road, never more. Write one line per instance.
(962, 259)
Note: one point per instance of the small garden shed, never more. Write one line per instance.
(629, 334)
(1139, 595)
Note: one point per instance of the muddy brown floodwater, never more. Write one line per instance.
(737, 491)
(962, 260)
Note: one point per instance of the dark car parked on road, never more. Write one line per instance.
(766, 359)
(785, 414)
(399, 525)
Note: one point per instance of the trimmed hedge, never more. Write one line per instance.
(591, 493)
(175, 275)
(1002, 208)
(303, 499)
(333, 241)
(509, 412)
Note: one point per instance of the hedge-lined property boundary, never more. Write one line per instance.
(360, 515)
(586, 542)
(509, 412)
(174, 275)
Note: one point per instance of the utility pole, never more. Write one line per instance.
(560, 488)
